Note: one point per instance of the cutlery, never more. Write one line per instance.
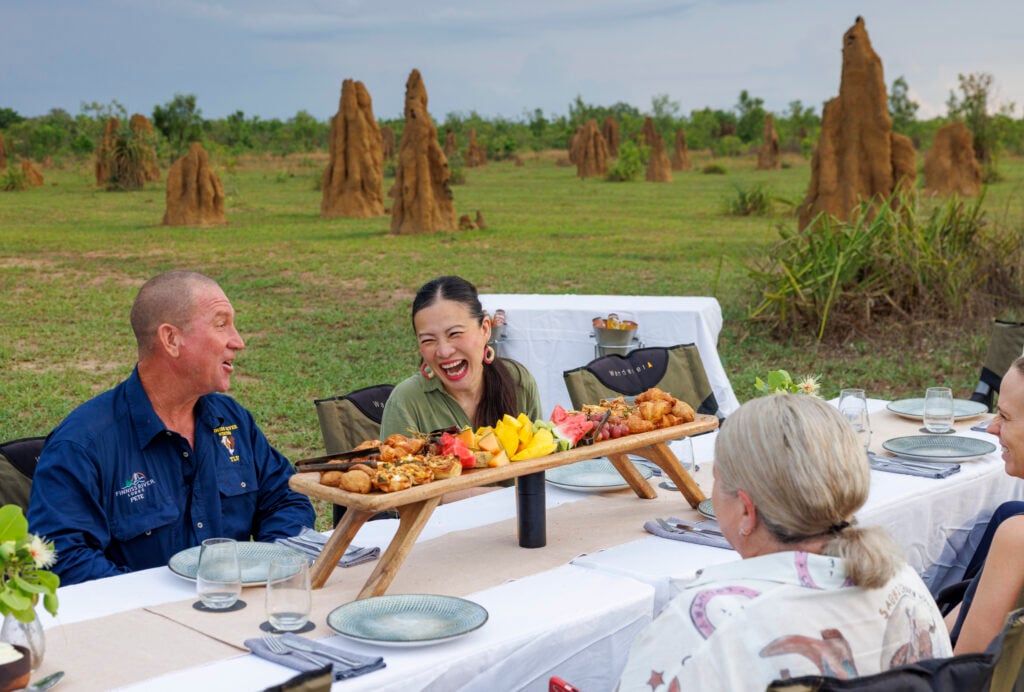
(680, 528)
(278, 647)
(45, 683)
(920, 465)
(301, 644)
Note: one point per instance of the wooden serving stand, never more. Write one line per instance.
(416, 504)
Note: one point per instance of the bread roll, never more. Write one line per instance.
(331, 478)
(355, 481)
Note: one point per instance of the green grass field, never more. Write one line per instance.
(324, 304)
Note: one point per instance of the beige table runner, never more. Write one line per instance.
(462, 562)
(120, 649)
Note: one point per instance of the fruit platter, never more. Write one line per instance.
(533, 448)
(402, 462)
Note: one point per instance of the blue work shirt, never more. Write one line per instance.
(116, 491)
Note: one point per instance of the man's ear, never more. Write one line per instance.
(169, 337)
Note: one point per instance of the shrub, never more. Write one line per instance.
(14, 180)
(713, 169)
(730, 145)
(631, 163)
(757, 201)
(892, 261)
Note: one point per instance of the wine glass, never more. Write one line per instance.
(219, 577)
(288, 598)
(853, 405)
(938, 410)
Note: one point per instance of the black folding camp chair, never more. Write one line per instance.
(677, 370)
(349, 419)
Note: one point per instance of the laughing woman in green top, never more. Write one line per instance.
(460, 381)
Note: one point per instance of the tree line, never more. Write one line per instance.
(723, 132)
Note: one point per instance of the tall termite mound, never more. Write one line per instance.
(858, 156)
(768, 153)
(476, 155)
(590, 151)
(423, 198)
(610, 131)
(680, 153)
(950, 166)
(353, 182)
(195, 195)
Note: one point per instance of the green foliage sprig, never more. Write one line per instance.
(781, 382)
(24, 559)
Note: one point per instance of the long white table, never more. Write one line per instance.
(550, 334)
(569, 609)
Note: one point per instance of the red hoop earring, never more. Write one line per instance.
(426, 371)
(489, 354)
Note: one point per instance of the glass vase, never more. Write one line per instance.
(28, 634)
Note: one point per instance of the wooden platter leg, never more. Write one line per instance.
(661, 455)
(629, 471)
(336, 546)
(412, 518)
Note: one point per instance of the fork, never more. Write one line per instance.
(300, 644)
(278, 647)
(678, 528)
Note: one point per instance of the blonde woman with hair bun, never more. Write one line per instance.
(815, 593)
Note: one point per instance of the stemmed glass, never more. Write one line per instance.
(853, 404)
(938, 410)
(219, 576)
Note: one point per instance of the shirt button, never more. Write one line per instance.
(184, 454)
(243, 484)
(199, 525)
(149, 533)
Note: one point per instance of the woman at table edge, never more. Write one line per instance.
(460, 381)
(995, 592)
(814, 594)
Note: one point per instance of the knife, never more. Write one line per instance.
(300, 644)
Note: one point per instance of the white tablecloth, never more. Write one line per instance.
(550, 334)
(575, 620)
(571, 622)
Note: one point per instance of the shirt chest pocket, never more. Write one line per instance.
(141, 513)
(236, 480)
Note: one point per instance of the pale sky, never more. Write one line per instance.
(273, 58)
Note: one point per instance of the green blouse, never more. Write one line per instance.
(421, 405)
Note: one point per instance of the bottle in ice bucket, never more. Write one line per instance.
(612, 322)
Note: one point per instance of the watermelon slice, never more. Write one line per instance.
(559, 414)
(571, 428)
(453, 445)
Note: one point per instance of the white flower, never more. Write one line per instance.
(42, 552)
(809, 385)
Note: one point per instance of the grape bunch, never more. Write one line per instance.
(614, 428)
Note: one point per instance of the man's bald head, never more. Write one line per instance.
(166, 298)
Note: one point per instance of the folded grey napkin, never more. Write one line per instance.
(311, 542)
(982, 426)
(677, 534)
(326, 654)
(911, 468)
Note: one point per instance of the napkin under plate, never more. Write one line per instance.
(367, 664)
(310, 542)
(654, 527)
(922, 469)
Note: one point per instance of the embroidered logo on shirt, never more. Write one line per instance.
(135, 487)
(228, 440)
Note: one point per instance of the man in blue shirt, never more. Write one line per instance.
(163, 460)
